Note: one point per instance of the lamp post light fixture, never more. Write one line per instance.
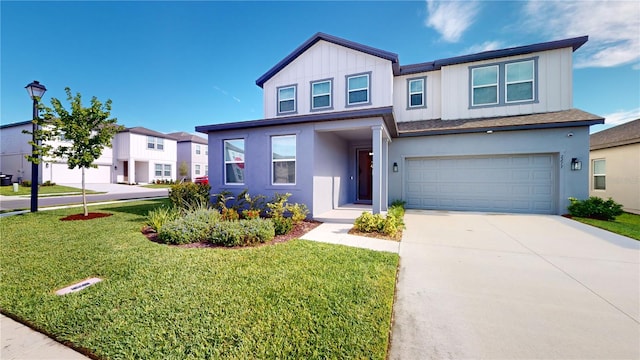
(35, 90)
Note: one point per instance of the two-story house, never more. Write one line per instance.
(346, 123)
(144, 155)
(194, 152)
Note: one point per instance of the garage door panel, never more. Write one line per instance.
(516, 183)
(60, 173)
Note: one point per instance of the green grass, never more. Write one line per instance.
(157, 186)
(299, 299)
(626, 224)
(42, 190)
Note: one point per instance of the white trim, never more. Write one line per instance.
(231, 162)
(294, 160)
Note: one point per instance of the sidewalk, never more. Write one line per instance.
(20, 342)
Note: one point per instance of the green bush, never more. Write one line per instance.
(298, 212)
(195, 226)
(368, 222)
(389, 225)
(282, 225)
(595, 208)
(48, 183)
(241, 232)
(160, 216)
(26, 183)
(189, 195)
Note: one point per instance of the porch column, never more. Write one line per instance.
(376, 142)
(385, 174)
(132, 171)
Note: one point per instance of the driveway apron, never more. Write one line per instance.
(505, 286)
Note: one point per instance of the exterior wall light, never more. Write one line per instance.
(576, 164)
(395, 167)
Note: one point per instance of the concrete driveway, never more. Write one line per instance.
(502, 286)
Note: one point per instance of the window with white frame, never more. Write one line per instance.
(416, 91)
(163, 170)
(206, 169)
(599, 174)
(197, 169)
(287, 99)
(283, 159)
(197, 149)
(234, 161)
(206, 150)
(155, 143)
(358, 89)
(321, 94)
(484, 85)
(519, 81)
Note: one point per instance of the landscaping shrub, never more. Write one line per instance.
(195, 226)
(251, 214)
(282, 225)
(189, 195)
(48, 183)
(160, 216)
(298, 212)
(241, 232)
(26, 183)
(368, 222)
(595, 208)
(230, 214)
(389, 225)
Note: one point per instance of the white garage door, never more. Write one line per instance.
(514, 183)
(60, 173)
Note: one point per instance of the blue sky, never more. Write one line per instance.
(171, 66)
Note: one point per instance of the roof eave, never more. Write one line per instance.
(502, 128)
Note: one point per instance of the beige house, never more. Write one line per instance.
(615, 165)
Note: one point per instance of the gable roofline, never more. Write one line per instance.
(329, 38)
(148, 132)
(619, 135)
(182, 136)
(385, 112)
(574, 43)
(5, 126)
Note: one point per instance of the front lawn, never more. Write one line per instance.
(626, 224)
(42, 190)
(157, 186)
(298, 299)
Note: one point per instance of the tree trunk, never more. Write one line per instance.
(84, 196)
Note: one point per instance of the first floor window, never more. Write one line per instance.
(287, 99)
(416, 92)
(234, 161)
(206, 169)
(321, 94)
(484, 85)
(283, 159)
(197, 169)
(163, 170)
(159, 170)
(599, 174)
(358, 89)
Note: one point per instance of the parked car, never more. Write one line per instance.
(203, 180)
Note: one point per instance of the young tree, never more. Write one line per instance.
(87, 131)
(183, 170)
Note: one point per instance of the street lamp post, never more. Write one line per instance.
(35, 90)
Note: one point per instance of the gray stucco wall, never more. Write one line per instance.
(331, 169)
(569, 183)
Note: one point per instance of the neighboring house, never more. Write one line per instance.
(615, 165)
(143, 156)
(346, 123)
(193, 151)
(14, 146)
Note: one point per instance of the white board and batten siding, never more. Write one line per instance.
(326, 60)
(554, 86)
(432, 97)
(524, 183)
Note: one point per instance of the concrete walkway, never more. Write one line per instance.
(514, 287)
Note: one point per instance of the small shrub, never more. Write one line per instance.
(195, 226)
(398, 203)
(277, 206)
(595, 208)
(160, 216)
(251, 214)
(48, 183)
(368, 222)
(298, 212)
(189, 195)
(230, 214)
(282, 225)
(26, 183)
(241, 232)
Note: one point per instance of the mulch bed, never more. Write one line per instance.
(89, 216)
(298, 230)
(377, 235)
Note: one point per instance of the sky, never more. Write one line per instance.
(172, 66)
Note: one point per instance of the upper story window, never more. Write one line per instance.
(599, 174)
(234, 161)
(485, 85)
(155, 143)
(321, 94)
(198, 150)
(287, 99)
(358, 89)
(519, 85)
(283, 159)
(416, 93)
(504, 83)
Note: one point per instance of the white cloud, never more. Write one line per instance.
(451, 18)
(622, 116)
(613, 28)
(485, 46)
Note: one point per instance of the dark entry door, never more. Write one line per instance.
(365, 175)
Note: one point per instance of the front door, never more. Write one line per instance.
(365, 175)
(125, 171)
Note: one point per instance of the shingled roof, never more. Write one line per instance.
(148, 132)
(185, 136)
(565, 118)
(625, 134)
